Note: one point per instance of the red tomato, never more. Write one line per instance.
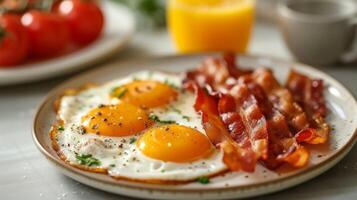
(13, 40)
(48, 33)
(85, 20)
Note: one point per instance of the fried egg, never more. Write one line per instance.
(142, 127)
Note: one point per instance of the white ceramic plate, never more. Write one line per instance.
(343, 117)
(118, 30)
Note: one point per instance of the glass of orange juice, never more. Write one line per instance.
(210, 25)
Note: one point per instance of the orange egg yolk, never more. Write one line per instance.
(145, 93)
(174, 143)
(122, 119)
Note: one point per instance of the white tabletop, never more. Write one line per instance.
(26, 174)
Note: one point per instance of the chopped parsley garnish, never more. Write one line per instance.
(162, 171)
(157, 119)
(167, 82)
(180, 112)
(132, 140)
(112, 165)
(88, 160)
(114, 89)
(122, 93)
(203, 180)
(60, 128)
(186, 118)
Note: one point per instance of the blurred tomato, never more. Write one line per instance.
(85, 19)
(13, 40)
(48, 33)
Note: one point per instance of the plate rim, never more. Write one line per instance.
(58, 162)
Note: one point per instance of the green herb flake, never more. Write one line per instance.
(186, 118)
(60, 128)
(162, 171)
(114, 89)
(157, 119)
(132, 140)
(203, 180)
(112, 165)
(122, 93)
(88, 160)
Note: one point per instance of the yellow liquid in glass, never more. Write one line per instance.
(210, 25)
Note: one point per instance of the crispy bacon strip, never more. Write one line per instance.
(233, 121)
(216, 72)
(253, 106)
(309, 94)
(246, 123)
(281, 99)
(235, 157)
(282, 144)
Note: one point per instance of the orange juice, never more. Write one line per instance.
(210, 25)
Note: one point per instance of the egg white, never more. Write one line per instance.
(119, 155)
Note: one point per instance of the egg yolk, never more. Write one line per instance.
(122, 119)
(145, 93)
(174, 143)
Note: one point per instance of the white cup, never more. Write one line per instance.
(318, 32)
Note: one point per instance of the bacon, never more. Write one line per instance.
(233, 121)
(251, 117)
(244, 119)
(235, 156)
(309, 94)
(281, 99)
(232, 67)
(283, 147)
(217, 72)
(282, 144)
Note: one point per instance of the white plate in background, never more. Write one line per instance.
(118, 30)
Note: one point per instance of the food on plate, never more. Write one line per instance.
(309, 94)
(174, 128)
(47, 29)
(143, 127)
(47, 32)
(84, 18)
(14, 40)
(285, 118)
